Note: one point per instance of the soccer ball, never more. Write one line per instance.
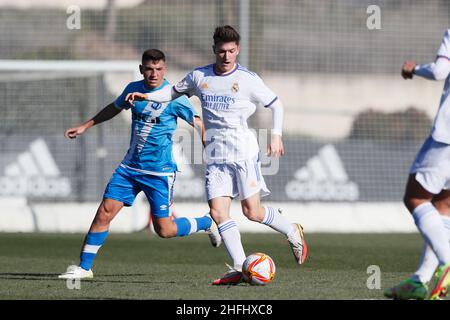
(258, 269)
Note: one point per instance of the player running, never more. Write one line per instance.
(229, 93)
(148, 165)
(427, 192)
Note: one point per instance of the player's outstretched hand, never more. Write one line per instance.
(72, 133)
(131, 97)
(408, 69)
(276, 146)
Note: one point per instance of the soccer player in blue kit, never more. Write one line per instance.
(148, 165)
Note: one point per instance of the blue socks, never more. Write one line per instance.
(93, 242)
(187, 226)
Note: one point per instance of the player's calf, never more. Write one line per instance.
(254, 214)
(180, 227)
(165, 227)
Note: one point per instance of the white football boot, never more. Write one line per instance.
(76, 272)
(213, 233)
(298, 245)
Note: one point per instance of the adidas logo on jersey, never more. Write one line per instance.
(34, 173)
(323, 178)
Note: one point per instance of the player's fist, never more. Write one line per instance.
(275, 148)
(72, 133)
(408, 69)
(131, 97)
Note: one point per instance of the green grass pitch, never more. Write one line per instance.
(143, 266)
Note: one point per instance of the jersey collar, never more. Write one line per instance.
(226, 74)
(163, 84)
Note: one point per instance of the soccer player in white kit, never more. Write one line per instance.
(229, 93)
(427, 194)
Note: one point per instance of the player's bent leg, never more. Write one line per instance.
(273, 218)
(166, 227)
(426, 217)
(159, 191)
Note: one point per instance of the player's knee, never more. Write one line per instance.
(105, 214)
(217, 215)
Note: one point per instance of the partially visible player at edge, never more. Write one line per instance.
(148, 165)
(229, 93)
(427, 196)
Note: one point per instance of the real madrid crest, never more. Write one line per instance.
(235, 87)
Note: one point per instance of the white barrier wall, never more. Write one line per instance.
(16, 216)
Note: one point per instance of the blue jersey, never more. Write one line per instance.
(152, 128)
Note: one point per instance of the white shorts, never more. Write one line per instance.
(241, 178)
(432, 166)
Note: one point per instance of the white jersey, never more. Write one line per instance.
(227, 102)
(441, 125)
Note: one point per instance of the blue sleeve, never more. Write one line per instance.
(120, 102)
(183, 109)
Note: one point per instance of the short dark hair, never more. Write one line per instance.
(226, 34)
(153, 55)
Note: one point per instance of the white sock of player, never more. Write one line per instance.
(231, 239)
(428, 261)
(429, 222)
(276, 221)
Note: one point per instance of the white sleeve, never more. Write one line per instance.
(186, 86)
(165, 94)
(438, 70)
(277, 117)
(261, 93)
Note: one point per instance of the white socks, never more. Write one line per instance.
(232, 241)
(430, 224)
(428, 261)
(276, 221)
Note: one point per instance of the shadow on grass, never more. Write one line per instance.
(54, 277)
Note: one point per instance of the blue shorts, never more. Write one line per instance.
(125, 184)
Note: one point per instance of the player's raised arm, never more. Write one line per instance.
(108, 112)
(166, 94)
(276, 147)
